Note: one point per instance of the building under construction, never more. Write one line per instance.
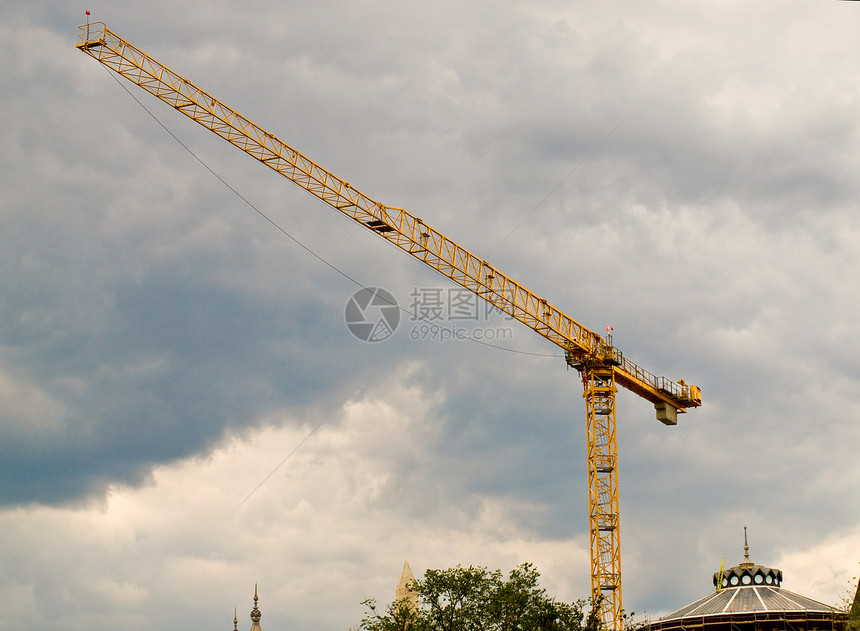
(750, 597)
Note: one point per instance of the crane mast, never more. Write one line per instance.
(603, 367)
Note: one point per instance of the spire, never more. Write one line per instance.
(255, 613)
(404, 587)
(235, 619)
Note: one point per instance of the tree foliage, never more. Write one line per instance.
(475, 599)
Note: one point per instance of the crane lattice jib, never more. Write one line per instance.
(403, 229)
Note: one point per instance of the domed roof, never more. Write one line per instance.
(749, 599)
(747, 590)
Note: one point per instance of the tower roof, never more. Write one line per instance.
(404, 587)
(406, 575)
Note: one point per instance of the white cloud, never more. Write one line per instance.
(826, 570)
(320, 535)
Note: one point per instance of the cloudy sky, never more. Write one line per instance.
(184, 412)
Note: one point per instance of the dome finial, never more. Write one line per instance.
(747, 572)
(255, 612)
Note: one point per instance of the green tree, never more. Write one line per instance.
(476, 599)
(399, 616)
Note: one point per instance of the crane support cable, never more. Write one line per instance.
(396, 225)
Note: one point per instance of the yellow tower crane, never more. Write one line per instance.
(602, 366)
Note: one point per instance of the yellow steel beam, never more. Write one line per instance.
(604, 505)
